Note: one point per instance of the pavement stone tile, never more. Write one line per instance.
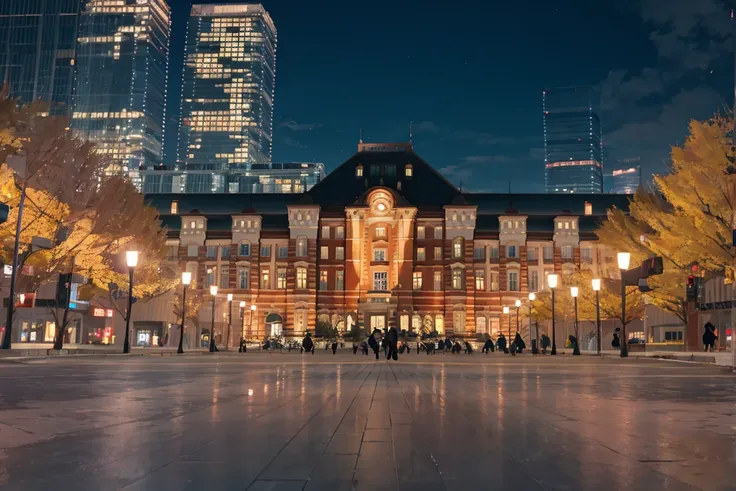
(277, 486)
(377, 435)
(344, 444)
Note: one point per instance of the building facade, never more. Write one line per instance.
(228, 91)
(38, 40)
(626, 181)
(572, 140)
(384, 240)
(290, 177)
(120, 90)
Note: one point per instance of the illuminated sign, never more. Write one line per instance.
(624, 171)
(7, 269)
(97, 312)
(574, 163)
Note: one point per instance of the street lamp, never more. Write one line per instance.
(535, 347)
(131, 257)
(213, 292)
(186, 280)
(552, 282)
(623, 265)
(597, 290)
(252, 311)
(508, 319)
(229, 319)
(574, 292)
(242, 325)
(518, 305)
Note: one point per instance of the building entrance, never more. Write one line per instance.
(378, 322)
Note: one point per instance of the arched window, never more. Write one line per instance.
(457, 247)
(480, 325)
(244, 249)
(301, 246)
(359, 170)
(439, 324)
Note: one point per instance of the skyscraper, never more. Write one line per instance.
(228, 92)
(572, 140)
(120, 91)
(626, 181)
(37, 40)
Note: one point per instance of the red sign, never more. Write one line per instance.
(97, 312)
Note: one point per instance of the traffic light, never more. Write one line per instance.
(652, 266)
(691, 291)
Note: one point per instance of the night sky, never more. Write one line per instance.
(470, 76)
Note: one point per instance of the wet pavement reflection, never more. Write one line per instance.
(323, 422)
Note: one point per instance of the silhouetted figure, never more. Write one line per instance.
(355, 349)
(616, 341)
(709, 336)
(448, 344)
(373, 343)
(546, 343)
(308, 344)
(393, 344)
(468, 348)
(334, 347)
(519, 342)
(502, 343)
(488, 346)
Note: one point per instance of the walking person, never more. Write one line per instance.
(709, 337)
(546, 343)
(308, 344)
(393, 344)
(373, 343)
(519, 342)
(502, 343)
(334, 347)
(488, 346)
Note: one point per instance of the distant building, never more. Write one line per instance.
(572, 140)
(292, 177)
(120, 91)
(228, 92)
(626, 181)
(37, 54)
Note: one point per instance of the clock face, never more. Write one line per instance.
(381, 202)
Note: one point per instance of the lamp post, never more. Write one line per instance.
(186, 280)
(242, 325)
(229, 319)
(597, 290)
(575, 349)
(552, 282)
(518, 305)
(535, 346)
(508, 319)
(623, 265)
(213, 292)
(252, 311)
(131, 257)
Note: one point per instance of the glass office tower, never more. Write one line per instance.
(626, 181)
(572, 140)
(37, 40)
(228, 91)
(120, 94)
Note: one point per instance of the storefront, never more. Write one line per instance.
(149, 334)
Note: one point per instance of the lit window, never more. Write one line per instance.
(417, 280)
(325, 231)
(381, 232)
(420, 232)
(408, 170)
(438, 253)
(324, 252)
(457, 248)
(480, 280)
(301, 246)
(457, 279)
(359, 171)
(301, 278)
(265, 279)
(340, 280)
(379, 254)
(174, 207)
(494, 281)
(380, 281)
(438, 232)
(437, 281)
(339, 253)
(340, 232)
(323, 280)
(480, 325)
(420, 254)
(281, 279)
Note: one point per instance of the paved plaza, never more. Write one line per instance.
(291, 422)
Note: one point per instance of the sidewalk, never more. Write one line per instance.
(722, 358)
(39, 350)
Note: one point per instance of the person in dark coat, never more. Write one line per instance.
(448, 344)
(355, 349)
(308, 344)
(393, 344)
(468, 348)
(373, 343)
(573, 341)
(502, 343)
(709, 336)
(616, 341)
(546, 343)
(519, 342)
(488, 346)
(334, 347)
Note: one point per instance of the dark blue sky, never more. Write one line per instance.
(470, 77)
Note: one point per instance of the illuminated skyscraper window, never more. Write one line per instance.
(228, 89)
(120, 96)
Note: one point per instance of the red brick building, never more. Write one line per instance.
(383, 240)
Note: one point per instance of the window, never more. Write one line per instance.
(323, 280)
(494, 281)
(566, 252)
(586, 255)
(301, 278)
(408, 170)
(380, 281)
(417, 280)
(340, 280)
(457, 248)
(480, 325)
(457, 279)
(438, 253)
(359, 171)
(480, 280)
(548, 253)
(243, 279)
(172, 252)
(211, 252)
(224, 277)
(325, 231)
(283, 251)
(281, 278)
(416, 323)
(174, 207)
(438, 281)
(559, 225)
(458, 321)
(494, 252)
(439, 324)
(673, 336)
(532, 254)
(512, 251)
(209, 280)
(379, 254)
(225, 252)
(265, 279)
(420, 232)
(588, 208)
(301, 246)
(495, 326)
(244, 249)
(192, 251)
(340, 232)
(404, 322)
(381, 232)
(266, 251)
(339, 253)
(324, 252)
(420, 254)
(438, 232)
(479, 253)
(534, 281)
(513, 281)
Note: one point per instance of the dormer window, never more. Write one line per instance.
(359, 170)
(174, 207)
(408, 171)
(588, 208)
